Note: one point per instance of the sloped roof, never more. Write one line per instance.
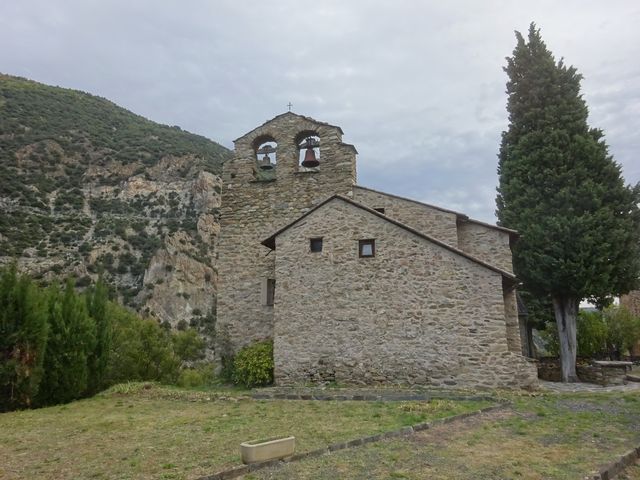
(271, 241)
(291, 114)
(460, 216)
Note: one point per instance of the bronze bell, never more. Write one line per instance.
(265, 163)
(310, 159)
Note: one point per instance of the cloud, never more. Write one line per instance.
(418, 87)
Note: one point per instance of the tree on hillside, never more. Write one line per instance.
(561, 189)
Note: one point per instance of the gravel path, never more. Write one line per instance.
(587, 387)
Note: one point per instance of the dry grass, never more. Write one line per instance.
(137, 432)
(547, 437)
(631, 473)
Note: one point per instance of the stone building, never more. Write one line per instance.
(356, 285)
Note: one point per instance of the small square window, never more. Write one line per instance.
(315, 244)
(381, 210)
(367, 248)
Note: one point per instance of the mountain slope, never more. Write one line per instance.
(87, 187)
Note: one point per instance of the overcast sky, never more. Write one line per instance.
(417, 86)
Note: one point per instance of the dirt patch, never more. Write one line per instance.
(578, 406)
(443, 434)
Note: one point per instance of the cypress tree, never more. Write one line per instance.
(23, 339)
(97, 299)
(71, 341)
(560, 188)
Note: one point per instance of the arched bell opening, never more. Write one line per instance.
(308, 144)
(266, 151)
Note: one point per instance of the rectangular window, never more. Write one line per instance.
(315, 244)
(367, 248)
(271, 291)
(268, 291)
(381, 210)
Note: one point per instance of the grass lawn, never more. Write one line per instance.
(169, 433)
(546, 437)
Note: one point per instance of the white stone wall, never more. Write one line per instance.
(416, 313)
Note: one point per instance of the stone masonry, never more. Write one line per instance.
(415, 313)
(435, 306)
(485, 242)
(434, 221)
(253, 208)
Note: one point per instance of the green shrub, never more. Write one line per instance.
(602, 334)
(610, 333)
(83, 281)
(591, 334)
(200, 375)
(188, 345)
(253, 365)
(623, 331)
(140, 350)
(182, 325)
(85, 248)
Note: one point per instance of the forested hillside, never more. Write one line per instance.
(87, 187)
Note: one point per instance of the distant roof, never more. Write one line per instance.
(309, 119)
(461, 216)
(271, 241)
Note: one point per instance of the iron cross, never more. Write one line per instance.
(289, 105)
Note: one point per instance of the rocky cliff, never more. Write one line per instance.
(88, 188)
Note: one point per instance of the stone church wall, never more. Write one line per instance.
(433, 221)
(488, 244)
(416, 313)
(253, 207)
(514, 338)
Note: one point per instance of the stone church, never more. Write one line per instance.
(355, 285)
